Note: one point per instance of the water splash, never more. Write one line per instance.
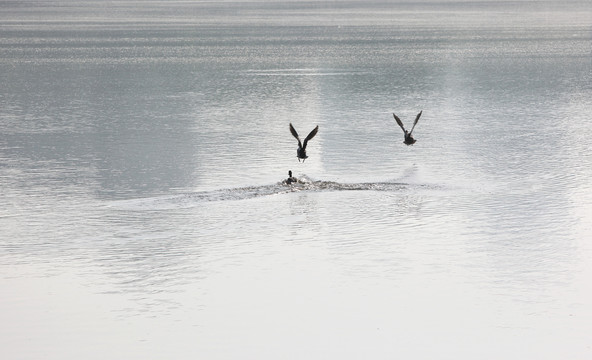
(304, 184)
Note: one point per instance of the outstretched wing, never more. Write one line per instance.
(310, 136)
(399, 122)
(415, 123)
(293, 131)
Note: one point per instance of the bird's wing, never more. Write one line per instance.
(295, 134)
(310, 136)
(415, 122)
(293, 131)
(399, 122)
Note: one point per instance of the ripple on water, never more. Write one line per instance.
(304, 184)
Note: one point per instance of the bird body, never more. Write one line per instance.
(301, 151)
(409, 140)
(290, 178)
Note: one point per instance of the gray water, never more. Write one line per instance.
(143, 146)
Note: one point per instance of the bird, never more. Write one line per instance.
(301, 152)
(409, 140)
(290, 178)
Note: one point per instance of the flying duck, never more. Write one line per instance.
(409, 140)
(301, 152)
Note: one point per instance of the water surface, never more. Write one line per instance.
(143, 149)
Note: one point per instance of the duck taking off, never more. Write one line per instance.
(301, 152)
(409, 140)
(291, 179)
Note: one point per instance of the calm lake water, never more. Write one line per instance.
(143, 145)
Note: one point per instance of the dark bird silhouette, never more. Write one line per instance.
(301, 152)
(409, 140)
(290, 178)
